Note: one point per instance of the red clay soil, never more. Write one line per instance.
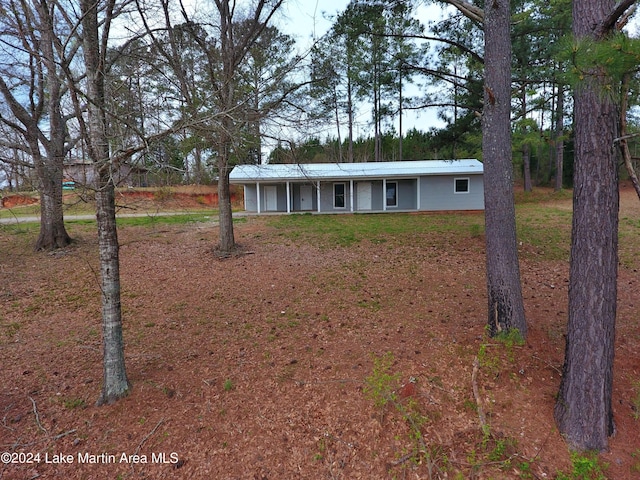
(194, 196)
(261, 366)
(173, 198)
(176, 198)
(11, 201)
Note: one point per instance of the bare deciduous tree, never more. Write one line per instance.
(115, 382)
(228, 117)
(33, 90)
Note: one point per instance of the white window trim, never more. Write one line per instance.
(455, 180)
(386, 200)
(344, 196)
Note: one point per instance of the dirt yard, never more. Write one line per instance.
(275, 364)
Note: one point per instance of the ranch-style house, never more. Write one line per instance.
(403, 186)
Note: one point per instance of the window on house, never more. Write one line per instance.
(392, 194)
(339, 195)
(461, 185)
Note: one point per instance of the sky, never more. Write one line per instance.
(306, 19)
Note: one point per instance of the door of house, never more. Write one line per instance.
(270, 198)
(306, 197)
(364, 196)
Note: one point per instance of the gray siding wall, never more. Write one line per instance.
(407, 194)
(250, 198)
(326, 197)
(437, 193)
(296, 204)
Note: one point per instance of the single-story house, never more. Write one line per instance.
(405, 186)
(83, 173)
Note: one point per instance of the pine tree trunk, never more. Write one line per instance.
(583, 410)
(505, 303)
(350, 158)
(526, 160)
(336, 109)
(559, 140)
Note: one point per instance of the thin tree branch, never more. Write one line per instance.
(610, 21)
(469, 10)
(35, 412)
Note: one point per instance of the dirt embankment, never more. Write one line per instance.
(178, 197)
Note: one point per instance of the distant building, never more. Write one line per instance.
(83, 173)
(405, 186)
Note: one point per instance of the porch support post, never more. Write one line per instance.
(418, 193)
(384, 194)
(258, 197)
(318, 196)
(288, 197)
(351, 193)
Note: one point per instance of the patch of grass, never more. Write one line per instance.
(167, 219)
(510, 338)
(629, 238)
(476, 230)
(21, 211)
(11, 329)
(585, 466)
(541, 195)
(73, 403)
(544, 232)
(19, 229)
(490, 362)
(347, 230)
(372, 304)
(635, 467)
(635, 400)
(228, 385)
(380, 386)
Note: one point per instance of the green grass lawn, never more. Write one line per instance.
(543, 225)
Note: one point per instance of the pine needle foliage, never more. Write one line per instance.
(604, 61)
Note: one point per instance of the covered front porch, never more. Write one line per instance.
(333, 196)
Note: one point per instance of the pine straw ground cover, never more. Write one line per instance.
(336, 347)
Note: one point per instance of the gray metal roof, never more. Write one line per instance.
(341, 171)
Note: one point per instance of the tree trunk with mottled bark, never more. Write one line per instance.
(526, 161)
(226, 235)
(559, 143)
(583, 410)
(115, 383)
(505, 303)
(53, 234)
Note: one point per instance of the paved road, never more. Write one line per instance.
(36, 219)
